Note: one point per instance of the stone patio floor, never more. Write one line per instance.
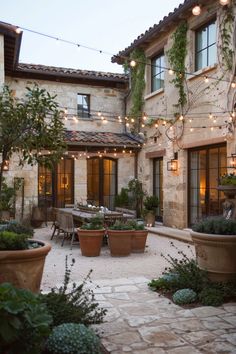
(138, 320)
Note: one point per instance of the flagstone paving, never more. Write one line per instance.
(140, 321)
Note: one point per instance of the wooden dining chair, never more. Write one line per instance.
(67, 227)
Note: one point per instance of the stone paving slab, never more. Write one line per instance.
(141, 322)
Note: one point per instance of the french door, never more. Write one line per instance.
(56, 187)
(102, 181)
(205, 166)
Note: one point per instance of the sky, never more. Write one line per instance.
(106, 25)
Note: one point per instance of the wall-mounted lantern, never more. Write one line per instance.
(172, 165)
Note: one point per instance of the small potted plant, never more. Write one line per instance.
(139, 237)
(91, 236)
(120, 238)
(215, 244)
(151, 204)
(21, 258)
(227, 184)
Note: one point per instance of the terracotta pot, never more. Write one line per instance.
(139, 239)
(150, 218)
(90, 242)
(120, 242)
(24, 268)
(216, 254)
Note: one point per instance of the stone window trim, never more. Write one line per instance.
(202, 143)
(153, 94)
(154, 154)
(203, 71)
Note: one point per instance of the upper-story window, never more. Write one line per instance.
(205, 46)
(83, 105)
(158, 64)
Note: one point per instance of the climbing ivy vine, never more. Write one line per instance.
(226, 34)
(176, 56)
(137, 85)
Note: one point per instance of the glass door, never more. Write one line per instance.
(102, 181)
(158, 185)
(206, 165)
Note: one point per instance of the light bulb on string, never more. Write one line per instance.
(132, 63)
(18, 30)
(191, 129)
(233, 84)
(132, 120)
(206, 80)
(99, 114)
(224, 2)
(190, 120)
(210, 116)
(214, 120)
(171, 72)
(143, 125)
(196, 10)
(181, 117)
(156, 125)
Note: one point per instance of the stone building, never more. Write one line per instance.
(101, 154)
(190, 134)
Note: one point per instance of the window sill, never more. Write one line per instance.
(202, 71)
(155, 93)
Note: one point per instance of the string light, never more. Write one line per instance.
(18, 30)
(206, 80)
(181, 117)
(58, 39)
(171, 72)
(132, 63)
(224, 2)
(196, 10)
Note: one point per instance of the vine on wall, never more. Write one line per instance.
(226, 34)
(176, 56)
(137, 85)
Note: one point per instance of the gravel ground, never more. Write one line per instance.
(149, 264)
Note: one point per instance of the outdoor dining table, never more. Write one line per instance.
(80, 216)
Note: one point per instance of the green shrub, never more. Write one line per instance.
(120, 225)
(95, 223)
(160, 284)
(73, 338)
(136, 225)
(122, 199)
(19, 228)
(211, 296)
(184, 296)
(76, 305)
(25, 322)
(12, 241)
(187, 273)
(151, 202)
(216, 225)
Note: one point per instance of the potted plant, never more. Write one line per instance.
(91, 236)
(227, 184)
(21, 258)
(139, 237)
(119, 238)
(150, 203)
(215, 244)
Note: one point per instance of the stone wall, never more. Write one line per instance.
(203, 98)
(2, 76)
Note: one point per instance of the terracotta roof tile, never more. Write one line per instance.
(70, 72)
(102, 139)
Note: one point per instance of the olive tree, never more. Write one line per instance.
(29, 127)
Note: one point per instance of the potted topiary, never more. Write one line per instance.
(119, 238)
(215, 244)
(91, 236)
(227, 184)
(139, 237)
(21, 258)
(150, 206)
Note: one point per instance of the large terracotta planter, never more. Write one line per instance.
(120, 242)
(139, 239)
(216, 254)
(24, 268)
(90, 242)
